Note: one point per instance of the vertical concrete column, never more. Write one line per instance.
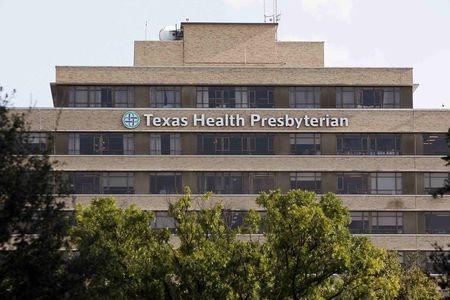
(247, 185)
(419, 143)
(328, 143)
(407, 146)
(421, 222)
(142, 143)
(281, 144)
(283, 181)
(61, 143)
(190, 179)
(62, 95)
(188, 96)
(141, 183)
(410, 224)
(329, 182)
(189, 143)
(420, 183)
(406, 97)
(281, 97)
(327, 97)
(408, 183)
(142, 96)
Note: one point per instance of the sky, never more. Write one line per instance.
(38, 35)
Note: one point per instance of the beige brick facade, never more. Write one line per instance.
(229, 44)
(250, 56)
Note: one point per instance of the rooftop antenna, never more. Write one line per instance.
(275, 17)
(146, 25)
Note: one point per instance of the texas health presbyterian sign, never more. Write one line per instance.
(131, 120)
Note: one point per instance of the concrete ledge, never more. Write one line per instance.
(263, 163)
(360, 120)
(246, 202)
(190, 75)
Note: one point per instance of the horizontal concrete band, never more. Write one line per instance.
(246, 202)
(257, 163)
(359, 120)
(400, 242)
(190, 75)
(410, 242)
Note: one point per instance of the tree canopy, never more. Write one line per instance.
(32, 223)
(306, 252)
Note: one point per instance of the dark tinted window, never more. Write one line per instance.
(235, 144)
(435, 144)
(221, 182)
(309, 181)
(165, 183)
(437, 222)
(101, 144)
(102, 183)
(368, 144)
(368, 97)
(101, 96)
(305, 143)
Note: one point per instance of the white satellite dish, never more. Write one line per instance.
(168, 33)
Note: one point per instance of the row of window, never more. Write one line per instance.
(234, 97)
(374, 183)
(240, 144)
(362, 222)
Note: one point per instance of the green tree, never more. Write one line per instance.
(415, 285)
(314, 256)
(446, 188)
(32, 223)
(211, 262)
(118, 254)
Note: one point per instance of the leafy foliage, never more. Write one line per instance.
(32, 223)
(119, 255)
(446, 188)
(308, 253)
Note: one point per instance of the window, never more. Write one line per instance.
(85, 183)
(435, 144)
(101, 96)
(165, 144)
(305, 143)
(102, 183)
(165, 183)
(368, 97)
(164, 221)
(385, 183)
(260, 97)
(101, 144)
(36, 142)
(123, 96)
(304, 97)
(352, 183)
(222, 97)
(235, 144)
(369, 183)
(309, 181)
(359, 222)
(118, 183)
(376, 222)
(387, 222)
(368, 144)
(221, 182)
(233, 219)
(165, 96)
(437, 222)
(434, 181)
(262, 182)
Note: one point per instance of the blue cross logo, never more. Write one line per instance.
(131, 120)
